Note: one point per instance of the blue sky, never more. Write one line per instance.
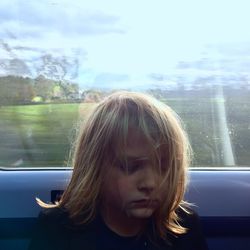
(119, 41)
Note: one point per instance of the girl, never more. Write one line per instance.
(128, 182)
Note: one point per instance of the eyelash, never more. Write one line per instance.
(134, 166)
(130, 167)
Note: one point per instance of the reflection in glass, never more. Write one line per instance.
(58, 59)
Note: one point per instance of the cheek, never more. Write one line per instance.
(163, 191)
(117, 191)
(123, 188)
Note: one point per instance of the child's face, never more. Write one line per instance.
(133, 191)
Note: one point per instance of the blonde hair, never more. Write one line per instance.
(106, 131)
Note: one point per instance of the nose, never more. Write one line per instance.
(148, 180)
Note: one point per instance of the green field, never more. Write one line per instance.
(41, 135)
(37, 135)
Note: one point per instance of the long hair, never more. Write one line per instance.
(104, 136)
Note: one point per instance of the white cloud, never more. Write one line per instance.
(129, 37)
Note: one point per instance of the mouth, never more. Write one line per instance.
(145, 203)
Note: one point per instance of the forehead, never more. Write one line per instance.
(135, 136)
(139, 146)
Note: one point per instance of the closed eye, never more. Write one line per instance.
(130, 166)
(133, 167)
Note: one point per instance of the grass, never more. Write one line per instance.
(41, 135)
(36, 135)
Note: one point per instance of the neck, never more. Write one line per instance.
(123, 225)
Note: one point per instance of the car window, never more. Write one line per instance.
(59, 58)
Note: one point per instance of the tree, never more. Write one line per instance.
(16, 90)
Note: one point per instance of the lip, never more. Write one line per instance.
(145, 203)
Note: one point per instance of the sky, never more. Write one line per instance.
(116, 40)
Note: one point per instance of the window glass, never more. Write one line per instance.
(59, 58)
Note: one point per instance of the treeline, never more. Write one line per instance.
(25, 90)
(16, 90)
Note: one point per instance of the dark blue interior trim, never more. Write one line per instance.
(226, 226)
(17, 227)
(212, 227)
